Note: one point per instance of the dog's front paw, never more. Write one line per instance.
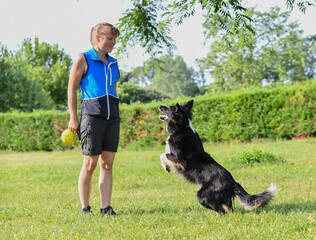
(167, 168)
(164, 163)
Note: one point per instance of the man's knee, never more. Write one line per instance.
(107, 166)
(90, 163)
(107, 160)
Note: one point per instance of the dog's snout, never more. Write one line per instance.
(162, 108)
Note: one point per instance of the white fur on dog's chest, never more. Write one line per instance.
(165, 162)
(191, 126)
(167, 149)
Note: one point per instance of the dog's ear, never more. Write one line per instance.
(189, 104)
(177, 107)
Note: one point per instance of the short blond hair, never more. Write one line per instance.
(97, 29)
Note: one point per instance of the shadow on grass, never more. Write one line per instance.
(284, 208)
(164, 210)
(308, 207)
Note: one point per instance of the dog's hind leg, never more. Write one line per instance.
(226, 208)
(208, 198)
(202, 196)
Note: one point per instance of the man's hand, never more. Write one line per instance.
(73, 125)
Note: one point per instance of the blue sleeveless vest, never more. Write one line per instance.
(97, 85)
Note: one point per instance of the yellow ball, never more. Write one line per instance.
(68, 137)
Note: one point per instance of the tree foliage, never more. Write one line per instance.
(133, 93)
(51, 64)
(149, 22)
(143, 75)
(168, 75)
(20, 88)
(140, 25)
(174, 78)
(276, 53)
(34, 77)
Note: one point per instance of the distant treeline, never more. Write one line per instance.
(36, 76)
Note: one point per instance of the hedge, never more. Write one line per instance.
(285, 111)
(40, 130)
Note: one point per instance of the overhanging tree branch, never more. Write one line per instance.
(148, 24)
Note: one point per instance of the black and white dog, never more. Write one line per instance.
(185, 153)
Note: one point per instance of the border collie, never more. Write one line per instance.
(185, 153)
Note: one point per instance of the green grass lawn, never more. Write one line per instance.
(39, 197)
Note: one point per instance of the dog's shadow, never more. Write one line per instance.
(283, 208)
(308, 207)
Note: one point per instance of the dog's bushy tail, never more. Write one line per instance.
(251, 202)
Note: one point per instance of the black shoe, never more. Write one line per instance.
(108, 210)
(86, 210)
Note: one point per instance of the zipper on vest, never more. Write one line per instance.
(106, 70)
(107, 91)
(109, 68)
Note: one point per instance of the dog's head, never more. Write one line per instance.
(177, 116)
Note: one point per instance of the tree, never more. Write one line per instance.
(132, 93)
(149, 22)
(20, 88)
(276, 53)
(52, 66)
(174, 78)
(310, 62)
(143, 75)
(282, 48)
(168, 75)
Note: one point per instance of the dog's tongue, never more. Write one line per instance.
(162, 117)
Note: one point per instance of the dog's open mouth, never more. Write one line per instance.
(163, 118)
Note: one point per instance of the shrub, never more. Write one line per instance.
(40, 130)
(282, 112)
(257, 157)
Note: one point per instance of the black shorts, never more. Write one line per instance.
(98, 134)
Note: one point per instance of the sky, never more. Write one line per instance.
(68, 23)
